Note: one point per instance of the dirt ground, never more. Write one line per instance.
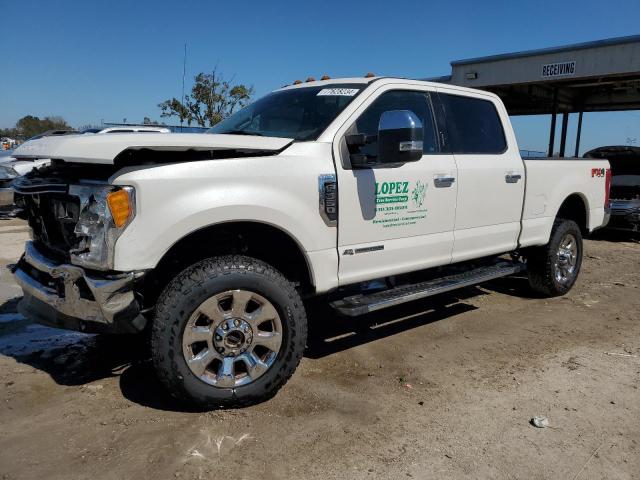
(439, 389)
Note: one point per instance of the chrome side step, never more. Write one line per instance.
(365, 303)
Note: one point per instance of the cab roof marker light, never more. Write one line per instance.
(325, 77)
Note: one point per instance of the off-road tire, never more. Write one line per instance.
(541, 260)
(195, 285)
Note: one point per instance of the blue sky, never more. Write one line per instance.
(93, 61)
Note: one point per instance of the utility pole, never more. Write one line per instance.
(184, 71)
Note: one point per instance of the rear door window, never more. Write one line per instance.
(473, 125)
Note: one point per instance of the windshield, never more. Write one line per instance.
(299, 113)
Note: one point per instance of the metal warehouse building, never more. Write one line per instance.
(603, 75)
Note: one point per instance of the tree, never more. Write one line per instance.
(30, 126)
(212, 99)
(149, 121)
(8, 133)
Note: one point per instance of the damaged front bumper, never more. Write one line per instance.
(66, 296)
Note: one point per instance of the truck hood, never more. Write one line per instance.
(103, 149)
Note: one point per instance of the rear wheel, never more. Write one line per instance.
(228, 331)
(553, 268)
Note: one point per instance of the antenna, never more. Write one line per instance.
(184, 71)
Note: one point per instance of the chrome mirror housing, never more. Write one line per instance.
(400, 136)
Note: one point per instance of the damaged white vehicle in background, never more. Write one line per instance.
(12, 168)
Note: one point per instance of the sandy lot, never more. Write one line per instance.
(437, 389)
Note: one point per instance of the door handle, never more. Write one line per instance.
(443, 181)
(512, 177)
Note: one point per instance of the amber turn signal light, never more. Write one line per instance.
(120, 207)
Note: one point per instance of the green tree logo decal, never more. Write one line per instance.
(418, 193)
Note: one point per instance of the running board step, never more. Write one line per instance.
(362, 303)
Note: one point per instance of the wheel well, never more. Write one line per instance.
(574, 208)
(257, 240)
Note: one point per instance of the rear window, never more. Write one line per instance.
(474, 125)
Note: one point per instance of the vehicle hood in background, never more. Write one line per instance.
(103, 149)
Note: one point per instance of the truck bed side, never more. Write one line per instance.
(550, 182)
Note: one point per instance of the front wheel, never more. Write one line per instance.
(228, 332)
(554, 268)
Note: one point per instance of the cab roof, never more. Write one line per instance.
(365, 81)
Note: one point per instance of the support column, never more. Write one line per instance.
(578, 133)
(563, 134)
(552, 132)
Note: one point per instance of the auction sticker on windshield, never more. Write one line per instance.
(338, 92)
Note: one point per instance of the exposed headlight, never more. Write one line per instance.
(7, 172)
(105, 211)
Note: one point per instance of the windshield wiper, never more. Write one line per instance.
(243, 132)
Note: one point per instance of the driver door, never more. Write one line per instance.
(394, 217)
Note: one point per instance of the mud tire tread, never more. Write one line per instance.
(185, 292)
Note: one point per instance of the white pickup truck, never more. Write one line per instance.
(212, 241)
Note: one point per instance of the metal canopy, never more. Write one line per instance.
(597, 76)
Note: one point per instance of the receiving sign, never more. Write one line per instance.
(562, 69)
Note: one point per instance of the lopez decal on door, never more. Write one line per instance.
(400, 203)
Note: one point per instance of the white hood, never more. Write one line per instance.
(105, 148)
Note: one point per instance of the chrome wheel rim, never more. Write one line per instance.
(232, 338)
(566, 259)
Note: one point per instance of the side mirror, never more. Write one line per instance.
(400, 136)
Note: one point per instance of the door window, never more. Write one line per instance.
(417, 102)
(473, 124)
